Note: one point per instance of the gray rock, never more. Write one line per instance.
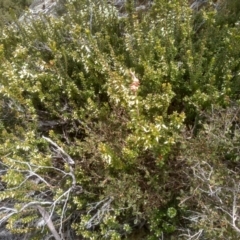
(39, 7)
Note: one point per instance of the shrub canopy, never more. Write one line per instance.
(97, 111)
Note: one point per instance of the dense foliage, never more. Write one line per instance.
(121, 126)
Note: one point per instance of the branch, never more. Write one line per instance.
(12, 211)
(49, 222)
(68, 159)
(63, 199)
(98, 216)
(196, 236)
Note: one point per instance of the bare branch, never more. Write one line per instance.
(101, 212)
(30, 170)
(12, 211)
(49, 222)
(195, 236)
(68, 159)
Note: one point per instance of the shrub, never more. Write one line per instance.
(93, 108)
(211, 205)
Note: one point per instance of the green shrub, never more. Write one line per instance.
(93, 109)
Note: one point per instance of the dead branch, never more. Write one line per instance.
(49, 222)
